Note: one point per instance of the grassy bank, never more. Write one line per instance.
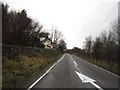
(17, 70)
(110, 66)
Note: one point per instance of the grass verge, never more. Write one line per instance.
(17, 72)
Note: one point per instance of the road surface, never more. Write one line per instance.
(73, 72)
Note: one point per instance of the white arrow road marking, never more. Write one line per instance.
(86, 79)
(96, 86)
(75, 63)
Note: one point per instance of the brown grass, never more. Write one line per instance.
(15, 72)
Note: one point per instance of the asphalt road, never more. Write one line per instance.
(73, 72)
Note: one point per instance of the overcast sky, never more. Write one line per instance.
(76, 19)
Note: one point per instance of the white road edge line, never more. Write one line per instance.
(60, 58)
(106, 70)
(102, 69)
(42, 75)
(75, 63)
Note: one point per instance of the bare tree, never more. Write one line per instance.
(115, 30)
(56, 35)
(97, 48)
(88, 45)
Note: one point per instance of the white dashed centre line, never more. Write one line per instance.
(75, 63)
